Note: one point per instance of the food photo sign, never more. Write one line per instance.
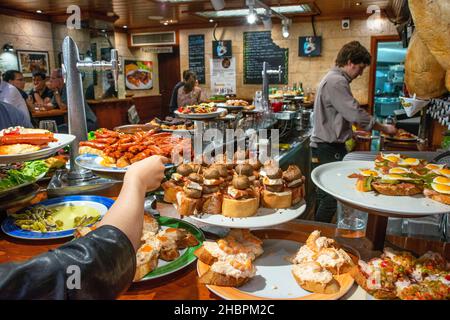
(33, 61)
(138, 74)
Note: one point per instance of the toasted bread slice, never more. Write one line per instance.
(147, 258)
(187, 206)
(213, 278)
(361, 280)
(205, 256)
(400, 189)
(312, 277)
(170, 191)
(150, 224)
(318, 287)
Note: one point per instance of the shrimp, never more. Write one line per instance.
(247, 265)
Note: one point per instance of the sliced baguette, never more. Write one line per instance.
(213, 278)
(318, 287)
(205, 256)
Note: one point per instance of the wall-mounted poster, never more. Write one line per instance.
(309, 46)
(222, 49)
(33, 61)
(138, 74)
(223, 76)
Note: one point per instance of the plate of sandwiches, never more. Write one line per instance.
(401, 275)
(241, 195)
(401, 135)
(392, 184)
(275, 264)
(24, 144)
(167, 245)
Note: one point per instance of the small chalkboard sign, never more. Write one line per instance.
(197, 56)
(259, 47)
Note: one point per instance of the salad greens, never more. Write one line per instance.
(28, 173)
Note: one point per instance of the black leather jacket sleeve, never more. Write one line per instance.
(100, 265)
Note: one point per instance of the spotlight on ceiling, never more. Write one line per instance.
(218, 4)
(251, 18)
(38, 11)
(8, 47)
(285, 28)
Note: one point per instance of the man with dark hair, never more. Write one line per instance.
(335, 110)
(173, 105)
(40, 94)
(60, 101)
(10, 94)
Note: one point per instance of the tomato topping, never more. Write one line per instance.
(447, 277)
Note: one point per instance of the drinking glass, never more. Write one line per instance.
(49, 125)
(350, 223)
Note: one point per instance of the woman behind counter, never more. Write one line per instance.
(190, 93)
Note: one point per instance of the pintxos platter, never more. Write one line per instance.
(401, 135)
(277, 258)
(56, 218)
(21, 144)
(265, 217)
(334, 179)
(209, 115)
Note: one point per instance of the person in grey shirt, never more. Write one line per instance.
(335, 110)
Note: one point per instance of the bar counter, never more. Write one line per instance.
(185, 285)
(112, 113)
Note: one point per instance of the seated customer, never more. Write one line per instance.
(190, 93)
(11, 95)
(40, 94)
(111, 91)
(174, 97)
(105, 257)
(15, 78)
(10, 116)
(60, 101)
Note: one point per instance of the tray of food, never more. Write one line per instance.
(167, 245)
(237, 196)
(401, 135)
(170, 124)
(18, 175)
(201, 111)
(112, 152)
(56, 218)
(22, 144)
(401, 275)
(393, 184)
(234, 104)
(275, 264)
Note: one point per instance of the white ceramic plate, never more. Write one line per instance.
(333, 178)
(274, 279)
(264, 218)
(200, 115)
(53, 147)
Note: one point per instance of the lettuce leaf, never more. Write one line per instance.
(28, 173)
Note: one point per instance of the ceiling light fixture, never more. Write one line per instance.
(251, 18)
(285, 28)
(218, 4)
(125, 27)
(165, 23)
(267, 19)
(211, 20)
(358, 3)
(38, 11)
(8, 47)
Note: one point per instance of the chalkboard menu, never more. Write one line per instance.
(259, 47)
(197, 56)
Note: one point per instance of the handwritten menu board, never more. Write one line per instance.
(197, 56)
(259, 47)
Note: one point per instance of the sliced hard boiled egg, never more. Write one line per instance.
(368, 173)
(432, 166)
(399, 170)
(443, 172)
(409, 162)
(441, 188)
(392, 157)
(442, 180)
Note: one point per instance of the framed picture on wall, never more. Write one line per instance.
(309, 46)
(138, 74)
(33, 61)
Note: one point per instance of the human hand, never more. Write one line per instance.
(148, 172)
(389, 129)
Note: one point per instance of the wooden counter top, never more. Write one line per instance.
(185, 285)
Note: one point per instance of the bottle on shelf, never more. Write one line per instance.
(300, 89)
